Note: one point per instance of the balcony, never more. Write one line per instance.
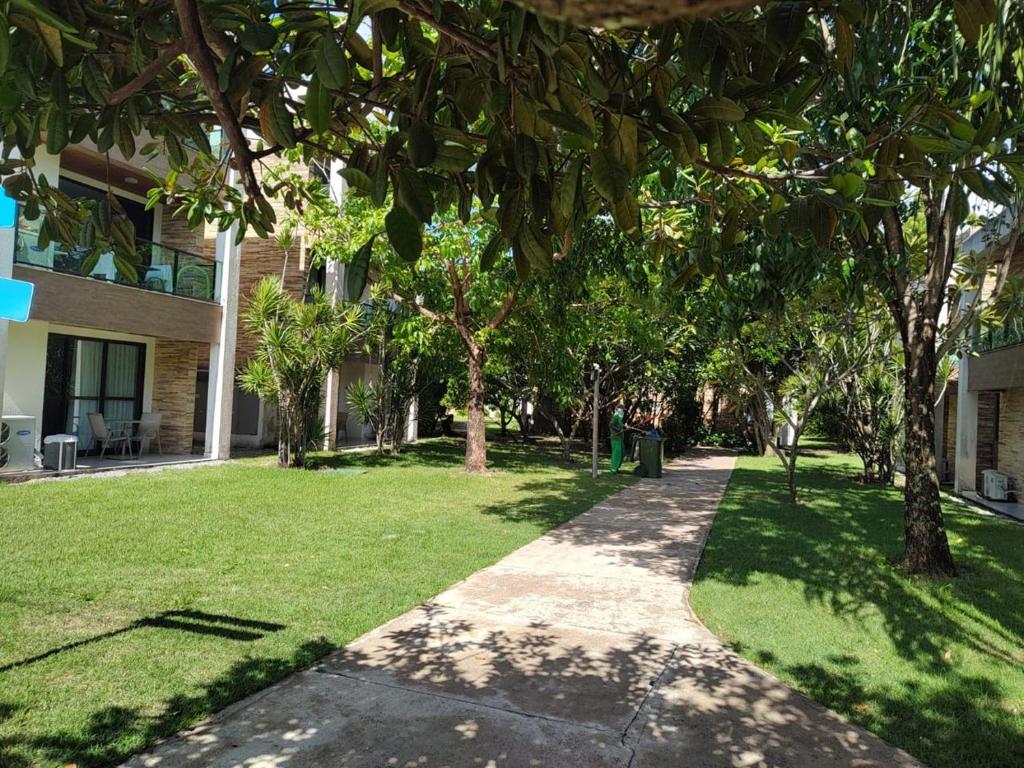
(1007, 335)
(163, 269)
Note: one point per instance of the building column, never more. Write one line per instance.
(220, 395)
(966, 430)
(334, 282)
(6, 270)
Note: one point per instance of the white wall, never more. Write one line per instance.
(26, 365)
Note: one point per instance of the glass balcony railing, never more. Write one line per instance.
(1004, 336)
(162, 268)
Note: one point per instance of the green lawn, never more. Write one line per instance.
(131, 607)
(811, 594)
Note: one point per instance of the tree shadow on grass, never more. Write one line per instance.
(441, 452)
(114, 733)
(840, 545)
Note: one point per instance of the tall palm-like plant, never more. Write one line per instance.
(298, 343)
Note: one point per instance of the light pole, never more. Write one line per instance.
(595, 376)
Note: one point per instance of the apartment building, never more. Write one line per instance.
(168, 340)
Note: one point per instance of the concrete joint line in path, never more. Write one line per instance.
(579, 649)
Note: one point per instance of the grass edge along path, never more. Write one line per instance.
(132, 607)
(812, 594)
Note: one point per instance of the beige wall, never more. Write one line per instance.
(1011, 434)
(26, 365)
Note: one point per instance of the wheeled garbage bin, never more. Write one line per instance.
(651, 456)
(60, 452)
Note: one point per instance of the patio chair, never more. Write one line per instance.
(149, 431)
(103, 435)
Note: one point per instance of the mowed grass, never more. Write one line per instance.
(133, 606)
(812, 594)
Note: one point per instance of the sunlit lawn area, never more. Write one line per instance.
(132, 606)
(810, 593)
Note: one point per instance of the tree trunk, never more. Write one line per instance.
(927, 548)
(283, 432)
(791, 469)
(476, 428)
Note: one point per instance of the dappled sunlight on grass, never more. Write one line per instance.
(812, 592)
(131, 607)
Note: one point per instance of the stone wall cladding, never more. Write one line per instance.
(949, 432)
(988, 435)
(174, 391)
(1011, 435)
(262, 257)
(176, 233)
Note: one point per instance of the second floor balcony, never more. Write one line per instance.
(162, 268)
(1009, 334)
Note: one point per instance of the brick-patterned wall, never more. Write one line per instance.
(949, 429)
(261, 257)
(174, 392)
(988, 435)
(176, 233)
(1011, 434)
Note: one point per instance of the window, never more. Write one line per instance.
(86, 376)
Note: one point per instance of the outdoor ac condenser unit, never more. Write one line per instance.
(996, 485)
(17, 443)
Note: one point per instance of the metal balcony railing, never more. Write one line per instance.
(162, 269)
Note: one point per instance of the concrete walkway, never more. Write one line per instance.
(579, 649)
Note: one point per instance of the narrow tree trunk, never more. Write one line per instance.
(283, 432)
(927, 548)
(476, 428)
(791, 470)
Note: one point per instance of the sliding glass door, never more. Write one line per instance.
(86, 376)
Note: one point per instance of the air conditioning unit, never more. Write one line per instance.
(996, 485)
(17, 443)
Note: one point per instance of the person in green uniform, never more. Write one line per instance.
(618, 429)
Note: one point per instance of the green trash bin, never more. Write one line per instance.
(651, 456)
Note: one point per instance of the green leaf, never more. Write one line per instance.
(626, 213)
(41, 14)
(972, 15)
(331, 63)
(526, 156)
(721, 144)
(379, 186)
(511, 207)
(5, 44)
(405, 233)
(453, 157)
(257, 37)
(567, 122)
(357, 179)
(276, 119)
(786, 23)
(318, 106)
(720, 108)
(358, 271)
(422, 146)
(414, 194)
(56, 130)
(491, 252)
(611, 178)
(620, 136)
(536, 246)
(933, 144)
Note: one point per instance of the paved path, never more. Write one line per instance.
(579, 649)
